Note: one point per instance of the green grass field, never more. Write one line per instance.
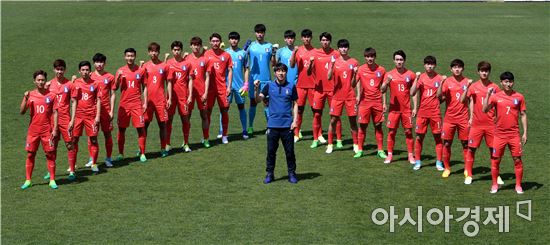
(216, 196)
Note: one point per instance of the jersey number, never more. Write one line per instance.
(131, 84)
(401, 87)
(429, 92)
(507, 110)
(39, 109)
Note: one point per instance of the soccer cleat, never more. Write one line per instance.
(119, 157)
(468, 180)
(95, 169)
(89, 164)
(138, 153)
(219, 136)
(382, 154)
(52, 184)
(292, 178)
(206, 143)
(494, 189)
(142, 158)
(330, 148)
(186, 148)
(168, 147)
(355, 148)
(465, 173)
(245, 135)
(439, 165)
(411, 159)
(46, 176)
(108, 162)
(446, 173)
(250, 130)
(26, 185)
(358, 154)
(300, 134)
(72, 176)
(339, 144)
(225, 140)
(388, 159)
(269, 178)
(163, 153)
(519, 190)
(296, 139)
(499, 181)
(314, 144)
(417, 165)
(322, 139)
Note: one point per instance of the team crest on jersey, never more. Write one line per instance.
(184, 68)
(407, 79)
(91, 88)
(65, 89)
(436, 84)
(223, 58)
(464, 87)
(202, 63)
(161, 71)
(378, 74)
(240, 57)
(266, 50)
(48, 99)
(351, 67)
(471, 141)
(516, 102)
(137, 76)
(105, 81)
(287, 91)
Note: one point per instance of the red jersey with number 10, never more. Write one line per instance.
(218, 66)
(155, 76)
(87, 94)
(400, 99)
(130, 86)
(302, 61)
(427, 90)
(178, 73)
(456, 112)
(342, 72)
(507, 110)
(477, 93)
(371, 80)
(41, 108)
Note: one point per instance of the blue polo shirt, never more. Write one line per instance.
(280, 99)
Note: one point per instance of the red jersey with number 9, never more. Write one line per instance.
(456, 112)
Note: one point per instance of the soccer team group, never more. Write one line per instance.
(64, 108)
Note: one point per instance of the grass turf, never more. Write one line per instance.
(216, 195)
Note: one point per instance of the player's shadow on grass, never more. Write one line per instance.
(504, 176)
(63, 180)
(476, 170)
(302, 176)
(525, 185)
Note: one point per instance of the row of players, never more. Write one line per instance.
(320, 75)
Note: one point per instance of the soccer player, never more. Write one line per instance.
(305, 84)
(371, 101)
(424, 89)
(238, 86)
(281, 96)
(481, 124)
(509, 106)
(107, 97)
(200, 77)
(220, 65)
(157, 100)
(131, 107)
(182, 97)
(283, 56)
(87, 94)
(456, 113)
(62, 87)
(399, 80)
(319, 65)
(42, 127)
(260, 55)
(343, 69)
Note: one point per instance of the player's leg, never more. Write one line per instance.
(288, 145)
(406, 121)
(351, 110)
(107, 128)
(393, 125)
(515, 149)
(496, 157)
(318, 105)
(273, 137)
(223, 104)
(51, 155)
(488, 134)
(419, 141)
(205, 126)
(162, 116)
(331, 130)
(171, 112)
(252, 108)
(377, 115)
(447, 136)
(302, 96)
(142, 141)
(31, 147)
(240, 100)
(435, 125)
(474, 139)
(94, 152)
(123, 121)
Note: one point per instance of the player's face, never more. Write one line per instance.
(289, 41)
(233, 42)
(280, 74)
(215, 43)
(370, 59)
(130, 58)
(260, 36)
(176, 51)
(59, 71)
(154, 54)
(84, 71)
(306, 40)
(429, 68)
(343, 50)
(325, 43)
(398, 61)
(99, 65)
(40, 81)
(507, 84)
(195, 47)
(457, 70)
(483, 74)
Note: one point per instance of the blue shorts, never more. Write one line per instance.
(238, 98)
(251, 88)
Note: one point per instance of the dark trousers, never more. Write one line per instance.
(287, 138)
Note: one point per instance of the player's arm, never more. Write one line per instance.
(166, 55)
(259, 97)
(229, 81)
(112, 100)
(523, 117)
(385, 84)
(311, 65)
(169, 85)
(415, 99)
(206, 86)
(464, 95)
(274, 55)
(190, 89)
(145, 97)
(294, 115)
(292, 60)
(414, 87)
(55, 123)
(98, 110)
(24, 103)
(74, 103)
(439, 92)
(331, 68)
(384, 106)
(486, 106)
(358, 89)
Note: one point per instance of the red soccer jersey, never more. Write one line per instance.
(130, 86)
(342, 72)
(371, 80)
(507, 110)
(218, 67)
(456, 111)
(41, 108)
(302, 61)
(106, 83)
(87, 94)
(477, 93)
(62, 93)
(178, 73)
(400, 99)
(155, 76)
(321, 63)
(198, 71)
(427, 90)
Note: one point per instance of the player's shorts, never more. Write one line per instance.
(337, 107)
(135, 114)
(319, 98)
(449, 129)
(220, 96)
(159, 109)
(238, 98)
(87, 123)
(303, 94)
(180, 103)
(395, 117)
(200, 105)
(48, 144)
(513, 142)
(105, 121)
(422, 125)
(477, 133)
(63, 127)
(251, 88)
(369, 110)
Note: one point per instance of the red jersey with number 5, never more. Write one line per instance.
(130, 86)
(427, 90)
(400, 85)
(456, 111)
(342, 72)
(507, 110)
(477, 93)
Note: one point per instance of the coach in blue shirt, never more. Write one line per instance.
(281, 97)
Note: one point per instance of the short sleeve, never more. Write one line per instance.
(75, 92)
(522, 106)
(229, 61)
(265, 90)
(294, 93)
(492, 100)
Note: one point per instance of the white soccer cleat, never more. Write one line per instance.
(89, 164)
(494, 189)
(108, 162)
(468, 180)
(186, 148)
(500, 181)
(296, 139)
(225, 140)
(321, 139)
(330, 148)
(219, 136)
(355, 148)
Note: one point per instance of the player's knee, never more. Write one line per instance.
(93, 140)
(516, 159)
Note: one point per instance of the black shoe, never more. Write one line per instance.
(269, 178)
(292, 178)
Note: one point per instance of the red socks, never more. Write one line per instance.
(225, 122)
(391, 139)
(29, 164)
(379, 134)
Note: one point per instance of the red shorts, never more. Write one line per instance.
(513, 142)
(179, 103)
(369, 110)
(159, 109)
(220, 96)
(105, 121)
(395, 117)
(422, 125)
(337, 106)
(84, 122)
(33, 141)
(200, 105)
(303, 94)
(63, 126)
(136, 114)
(476, 134)
(449, 129)
(319, 99)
